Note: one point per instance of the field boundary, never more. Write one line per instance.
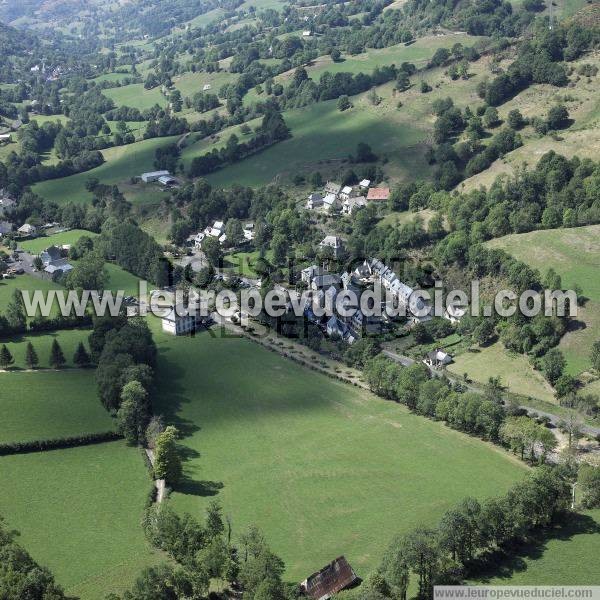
(11, 448)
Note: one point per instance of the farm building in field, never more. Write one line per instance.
(378, 194)
(206, 87)
(5, 137)
(180, 320)
(153, 176)
(338, 575)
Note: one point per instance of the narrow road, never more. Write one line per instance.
(533, 412)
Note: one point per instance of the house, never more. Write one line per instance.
(5, 227)
(167, 180)
(306, 33)
(338, 575)
(248, 235)
(332, 188)
(180, 320)
(325, 281)
(58, 267)
(27, 229)
(333, 242)
(437, 358)
(364, 183)
(454, 313)
(315, 200)
(5, 137)
(153, 176)
(198, 239)
(351, 204)
(216, 230)
(309, 273)
(206, 87)
(330, 202)
(50, 255)
(346, 192)
(378, 194)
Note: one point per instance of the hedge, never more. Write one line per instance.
(58, 443)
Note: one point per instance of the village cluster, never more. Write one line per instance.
(346, 198)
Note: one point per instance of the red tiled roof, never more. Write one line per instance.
(378, 194)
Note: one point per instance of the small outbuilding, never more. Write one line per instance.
(338, 575)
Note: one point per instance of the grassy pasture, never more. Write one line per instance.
(135, 95)
(322, 137)
(79, 511)
(68, 340)
(322, 468)
(122, 163)
(575, 255)
(22, 282)
(39, 244)
(514, 370)
(190, 83)
(563, 558)
(44, 404)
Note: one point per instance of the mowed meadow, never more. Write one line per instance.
(323, 468)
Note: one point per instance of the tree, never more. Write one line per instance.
(565, 385)
(234, 232)
(595, 355)
(132, 416)
(15, 312)
(589, 485)
(343, 103)
(558, 117)
(38, 264)
(31, 357)
(552, 280)
(212, 249)
(485, 332)
(515, 119)
(490, 117)
(167, 462)
(214, 520)
(553, 365)
(57, 358)
(336, 55)
(6, 358)
(81, 358)
(364, 153)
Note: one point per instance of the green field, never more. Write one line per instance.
(135, 95)
(23, 282)
(64, 238)
(68, 340)
(322, 133)
(190, 83)
(322, 468)
(79, 511)
(563, 558)
(514, 370)
(122, 163)
(47, 405)
(575, 255)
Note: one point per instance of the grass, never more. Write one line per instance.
(562, 558)
(68, 340)
(575, 255)
(513, 369)
(79, 511)
(242, 263)
(122, 163)
(23, 282)
(45, 404)
(322, 137)
(64, 238)
(322, 468)
(190, 83)
(135, 95)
